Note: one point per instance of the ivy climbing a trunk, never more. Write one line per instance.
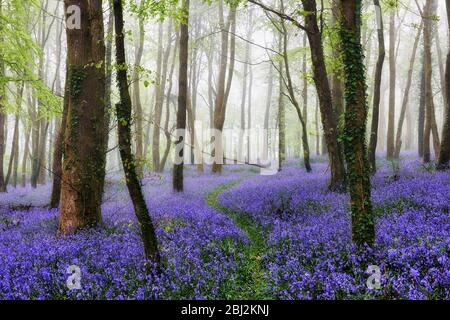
(83, 170)
(123, 110)
(358, 170)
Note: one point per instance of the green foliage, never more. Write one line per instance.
(18, 53)
(77, 75)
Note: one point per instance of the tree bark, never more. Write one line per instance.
(430, 123)
(398, 138)
(137, 96)
(123, 109)
(293, 99)
(167, 131)
(358, 177)
(444, 154)
(320, 77)
(2, 115)
(159, 96)
(392, 78)
(83, 169)
(377, 88)
(421, 113)
(178, 179)
(58, 150)
(224, 84)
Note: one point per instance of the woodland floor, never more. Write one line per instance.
(239, 235)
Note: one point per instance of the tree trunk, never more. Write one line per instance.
(245, 80)
(159, 96)
(444, 154)
(58, 151)
(137, 96)
(281, 121)
(363, 230)
(15, 139)
(392, 78)
(267, 113)
(292, 98)
(429, 103)
(224, 84)
(169, 92)
(336, 82)
(182, 100)
(421, 116)
(2, 118)
(83, 169)
(377, 87)
(324, 94)
(25, 157)
(123, 109)
(398, 139)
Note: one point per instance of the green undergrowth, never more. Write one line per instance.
(250, 279)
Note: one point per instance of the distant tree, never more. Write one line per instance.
(398, 136)
(312, 26)
(228, 46)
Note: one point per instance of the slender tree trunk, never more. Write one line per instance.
(377, 87)
(58, 151)
(363, 230)
(292, 98)
(123, 109)
(421, 116)
(25, 156)
(267, 112)
(224, 84)
(392, 78)
(137, 96)
(2, 114)
(281, 121)
(83, 169)
(169, 92)
(324, 94)
(317, 129)
(429, 103)
(15, 140)
(336, 82)
(444, 154)
(159, 96)
(14, 145)
(398, 139)
(182, 99)
(245, 80)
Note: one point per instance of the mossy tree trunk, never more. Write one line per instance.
(123, 110)
(358, 174)
(84, 165)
